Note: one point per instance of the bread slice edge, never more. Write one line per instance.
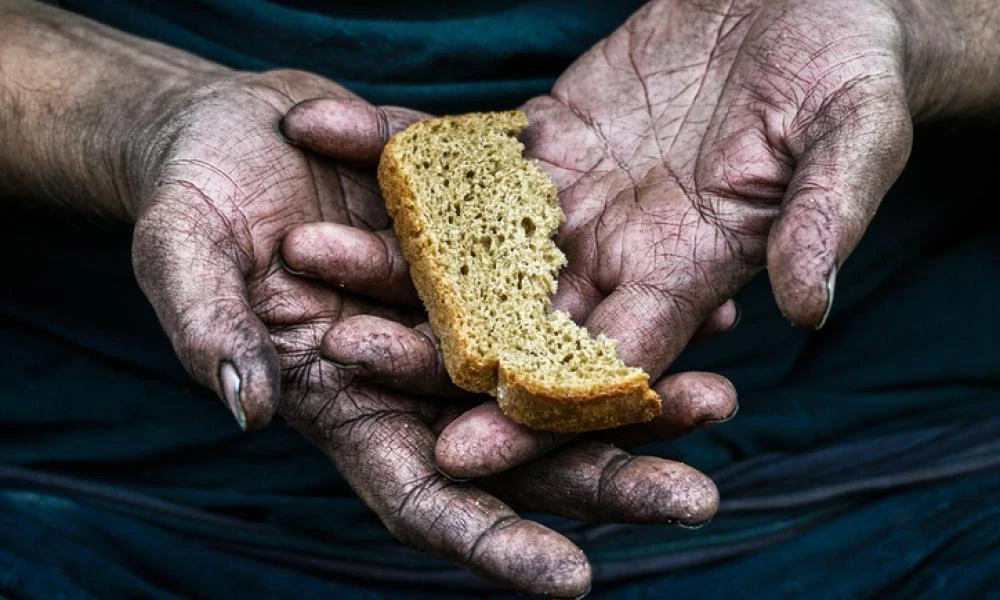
(623, 402)
(467, 371)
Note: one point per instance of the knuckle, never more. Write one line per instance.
(197, 326)
(609, 488)
(480, 544)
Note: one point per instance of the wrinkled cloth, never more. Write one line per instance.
(865, 460)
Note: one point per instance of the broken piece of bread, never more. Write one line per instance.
(475, 220)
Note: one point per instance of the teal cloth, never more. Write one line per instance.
(435, 56)
(120, 478)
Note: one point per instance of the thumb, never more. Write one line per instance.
(346, 129)
(199, 293)
(846, 160)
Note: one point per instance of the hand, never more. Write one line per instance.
(703, 140)
(102, 122)
(221, 193)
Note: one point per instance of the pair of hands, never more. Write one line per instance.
(234, 247)
(699, 143)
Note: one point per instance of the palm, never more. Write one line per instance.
(673, 146)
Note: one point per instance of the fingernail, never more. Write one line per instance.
(581, 596)
(342, 365)
(284, 265)
(450, 478)
(283, 134)
(230, 380)
(729, 417)
(739, 316)
(831, 284)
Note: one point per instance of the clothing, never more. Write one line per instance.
(870, 446)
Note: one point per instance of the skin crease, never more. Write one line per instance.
(215, 191)
(713, 139)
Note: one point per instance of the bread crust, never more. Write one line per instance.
(575, 411)
(530, 403)
(466, 370)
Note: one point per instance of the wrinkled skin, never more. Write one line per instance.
(699, 143)
(224, 193)
(765, 137)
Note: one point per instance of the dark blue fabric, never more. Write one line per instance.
(862, 463)
(435, 56)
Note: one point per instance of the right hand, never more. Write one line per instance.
(222, 194)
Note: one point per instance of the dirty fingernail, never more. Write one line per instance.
(230, 380)
(451, 478)
(342, 365)
(284, 265)
(831, 284)
(729, 417)
(581, 596)
(283, 133)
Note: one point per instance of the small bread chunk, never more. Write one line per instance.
(475, 220)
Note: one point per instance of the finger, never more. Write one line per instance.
(484, 441)
(345, 128)
(199, 293)
(847, 159)
(384, 449)
(723, 319)
(363, 262)
(591, 481)
(391, 354)
(691, 401)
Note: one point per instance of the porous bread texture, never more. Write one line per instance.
(475, 220)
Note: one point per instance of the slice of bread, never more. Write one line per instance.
(475, 220)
